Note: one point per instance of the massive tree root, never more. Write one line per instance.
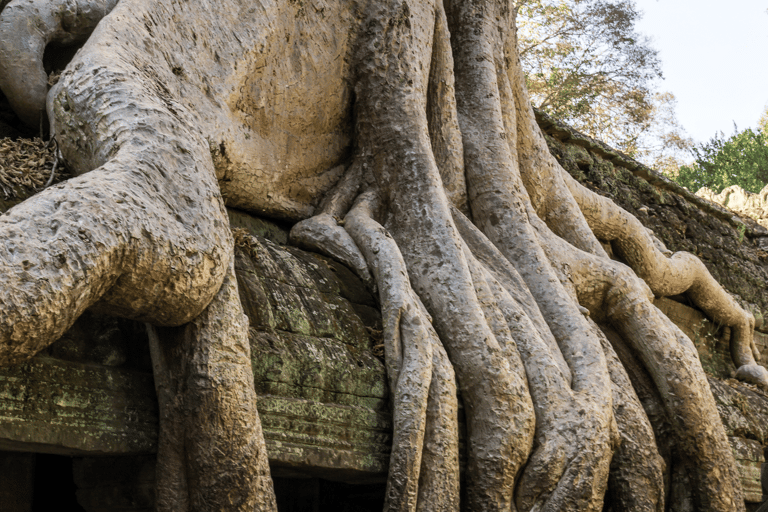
(486, 256)
(212, 454)
(28, 28)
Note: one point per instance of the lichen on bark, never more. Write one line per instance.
(412, 120)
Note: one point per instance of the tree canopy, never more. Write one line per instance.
(587, 65)
(741, 159)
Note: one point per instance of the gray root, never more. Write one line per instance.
(498, 405)
(636, 479)
(23, 79)
(323, 234)
(581, 217)
(424, 465)
(681, 273)
(443, 125)
(211, 453)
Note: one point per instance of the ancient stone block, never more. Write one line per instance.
(71, 408)
(749, 458)
(323, 396)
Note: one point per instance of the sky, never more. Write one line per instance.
(714, 58)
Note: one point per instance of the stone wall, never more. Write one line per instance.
(318, 372)
(747, 204)
(734, 248)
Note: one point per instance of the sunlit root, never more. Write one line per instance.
(569, 411)
(73, 263)
(442, 117)
(393, 130)
(571, 449)
(323, 234)
(611, 289)
(636, 481)
(539, 170)
(211, 453)
(575, 434)
(677, 372)
(439, 475)
(421, 380)
(574, 213)
(28, 26)
(653, 406)
(681, 273)
(160, 247)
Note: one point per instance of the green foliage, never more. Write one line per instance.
(741, 159)
(586, 65)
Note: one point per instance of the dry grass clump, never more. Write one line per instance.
(25, 164)
(246, 242)
(53, 78)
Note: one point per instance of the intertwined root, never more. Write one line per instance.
(27, 28)
(424, 466)
(510, 296)
(679, 273)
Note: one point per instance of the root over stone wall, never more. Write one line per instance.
(315, 338)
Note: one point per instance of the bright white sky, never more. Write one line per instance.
(714, 57)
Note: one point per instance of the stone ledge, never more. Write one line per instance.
(749, 459)
(61, 407)
(110, 411)
(325, 440)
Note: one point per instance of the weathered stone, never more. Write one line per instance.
(742, 408)
(735, 198)
(711, 342)
(71, 408)
(749, 458)
(323, 397)
(307, 437)
(761, 342)
(257, 226)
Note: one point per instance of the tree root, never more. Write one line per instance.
(499, 412)
(610, 290)
(580, 216)
(636, 480)
(23, 79)
(211, 453)
(440, 119)
(680, 273)
(323, 234)
(421, 380)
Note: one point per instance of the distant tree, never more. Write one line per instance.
(741, 159)
(586, 65)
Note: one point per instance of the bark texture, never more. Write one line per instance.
(401, 135)
(211, 449)
(27, 28)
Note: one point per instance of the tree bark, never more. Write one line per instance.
(486, 255)
(211, 453)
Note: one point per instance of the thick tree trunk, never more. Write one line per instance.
(485, 254)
